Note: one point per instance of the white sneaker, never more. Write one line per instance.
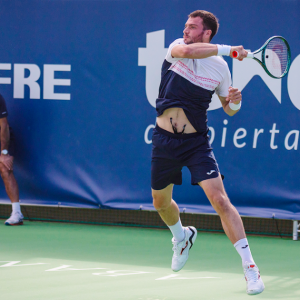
(255, 284)
(181, 249)
(15, 219)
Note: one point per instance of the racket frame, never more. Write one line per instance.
(262, 62)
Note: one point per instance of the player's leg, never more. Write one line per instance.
(233, 227)
(215, 192)
(166, 206)
(165, 172)
(183, 237)
(12, 191)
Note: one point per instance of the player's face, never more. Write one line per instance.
(193, 31)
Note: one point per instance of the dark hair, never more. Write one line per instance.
(210, 21)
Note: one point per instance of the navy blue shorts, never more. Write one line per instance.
(171, 152)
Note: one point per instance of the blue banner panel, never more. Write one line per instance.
(80, 79)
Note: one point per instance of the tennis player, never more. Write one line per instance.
(6, 166)
(191, 72)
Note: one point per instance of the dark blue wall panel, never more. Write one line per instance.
(90, 150)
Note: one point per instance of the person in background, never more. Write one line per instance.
(6, 166)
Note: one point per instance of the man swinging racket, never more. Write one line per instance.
(191, 72)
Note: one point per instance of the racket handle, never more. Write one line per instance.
(235, 54)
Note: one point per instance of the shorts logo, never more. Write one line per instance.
(210, 172)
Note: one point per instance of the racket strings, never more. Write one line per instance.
(276, 57)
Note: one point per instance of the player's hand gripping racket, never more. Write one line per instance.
(275, 56)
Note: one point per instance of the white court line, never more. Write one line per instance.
(67, 268)
(13, 264)
(108, 273)
(174, 276)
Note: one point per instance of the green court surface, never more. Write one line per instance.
(72, 261)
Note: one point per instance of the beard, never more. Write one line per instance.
(197, 39)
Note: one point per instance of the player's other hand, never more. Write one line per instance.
(234, 95)
(240, 50)
(7, 161)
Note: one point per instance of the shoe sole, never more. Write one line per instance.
(257, 291)
(16, 224)
(192, 239)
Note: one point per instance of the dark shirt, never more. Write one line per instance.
(176, 91)
(3, 109)
(190, 85)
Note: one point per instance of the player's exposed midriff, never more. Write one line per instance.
(175, 118)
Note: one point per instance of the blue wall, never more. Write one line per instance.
(92, 150)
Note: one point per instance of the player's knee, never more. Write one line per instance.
(160, 202)
(220, 202)
(4, 172)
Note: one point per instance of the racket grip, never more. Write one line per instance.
(235, 54)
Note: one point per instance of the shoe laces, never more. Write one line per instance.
(251, 274)
(15, 214)
(177, 246)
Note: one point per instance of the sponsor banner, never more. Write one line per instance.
(80, 79)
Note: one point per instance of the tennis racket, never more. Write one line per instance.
(275, 56)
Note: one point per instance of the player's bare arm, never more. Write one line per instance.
(5, 135)
(203, 50)
(194, 51)
(235, 97)
(6, 160)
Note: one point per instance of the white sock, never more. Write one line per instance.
(177, 231)
(242, 247)
(16, 207)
